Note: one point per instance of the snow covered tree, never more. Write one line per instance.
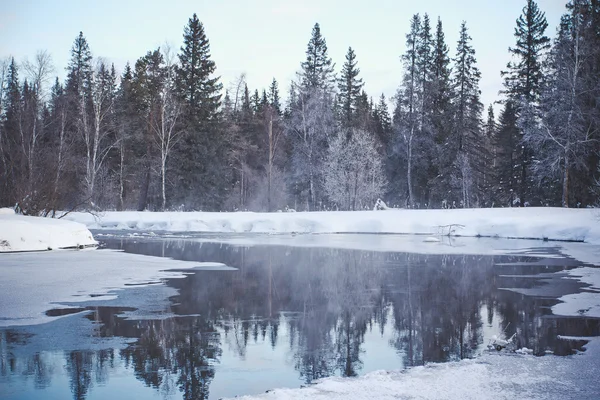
(442, 115)
(468, 109)
(354, 176)
(524, 78)
(560, 133)
(311, 122)
(350, 86)
(407, 113)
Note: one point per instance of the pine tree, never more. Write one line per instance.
(441, 119)
(126, 125)
(383, 123)
(559, 130)
(407, 112)
(349, 86)
(524, 78)
(317, 70)
(198, 88)
(79, 70)
(507, 175)
(201, 158)
(468, 110)
(310, 123)
(274, 100)
(11, 104)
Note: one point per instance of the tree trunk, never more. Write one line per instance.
(409, 169)
(270, 164)
(565, 192)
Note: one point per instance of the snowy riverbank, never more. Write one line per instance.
(535, 223)
(22, 233)
(491, 376)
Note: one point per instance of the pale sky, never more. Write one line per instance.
(267, 38)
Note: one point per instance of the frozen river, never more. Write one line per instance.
(243, 316)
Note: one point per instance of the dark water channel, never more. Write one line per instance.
(286, 317)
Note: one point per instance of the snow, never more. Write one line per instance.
(528, 223)
(23, 233)
(56, 277)
(584, 303)
(491, 376)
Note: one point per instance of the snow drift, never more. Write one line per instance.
(22, 233)
(524, 223)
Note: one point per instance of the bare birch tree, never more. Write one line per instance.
(166, 129)
(97, 140)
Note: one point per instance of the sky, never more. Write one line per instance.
(267, 39)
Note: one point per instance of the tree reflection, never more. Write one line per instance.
(324, 300)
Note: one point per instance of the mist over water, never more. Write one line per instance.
(286, 316)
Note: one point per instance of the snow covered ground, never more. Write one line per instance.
(22, 233)
(536, 223)
(491, 376)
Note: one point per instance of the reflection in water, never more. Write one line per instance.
(432, 308)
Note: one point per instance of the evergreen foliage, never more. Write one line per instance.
(163, 134)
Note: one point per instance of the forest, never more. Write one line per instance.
(164, 134)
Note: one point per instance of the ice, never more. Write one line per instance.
(33, 283)
(491, 376)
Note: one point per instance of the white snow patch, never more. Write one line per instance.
(578, 304)
(584, 303)
(23, 233)
(531, 222)
(431, 239)
(6, 211)
(32, 283)
(491, 376)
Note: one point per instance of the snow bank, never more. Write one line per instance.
(32, 283)
(534, 223)
(22, 233)
(492, 376)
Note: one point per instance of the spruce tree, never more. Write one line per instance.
(349, 86)
(200, 159)
(10, 131)
(198, 88)
(407, 112)
(317, 70)
(79, 70)
(274, 100)
(507, 175)
(468, 108)
(523, 80)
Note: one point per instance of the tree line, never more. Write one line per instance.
(164, 134)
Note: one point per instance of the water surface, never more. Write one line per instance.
(286, 316)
